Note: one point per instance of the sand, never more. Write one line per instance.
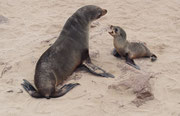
(28, 27)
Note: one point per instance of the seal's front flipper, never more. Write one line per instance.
(65, 89)
(95, 70)
(132, 63)
(115, 53)
(30, 89)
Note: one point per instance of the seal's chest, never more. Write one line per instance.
(119, 46)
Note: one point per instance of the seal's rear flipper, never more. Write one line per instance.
(96, 70)
(28, 84)
(30, 89)
(153, 57)
(65, 89)
(132, 63)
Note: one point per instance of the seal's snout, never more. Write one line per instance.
(111, 30)
(101, 13)
(104, 11)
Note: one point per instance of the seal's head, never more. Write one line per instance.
(91, 12)
(117, 31)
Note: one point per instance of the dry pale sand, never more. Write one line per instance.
(28, 27)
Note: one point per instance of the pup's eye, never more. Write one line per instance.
(116, 30)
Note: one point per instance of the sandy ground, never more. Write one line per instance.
(28, 27)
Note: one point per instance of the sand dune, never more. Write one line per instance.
(29, 27)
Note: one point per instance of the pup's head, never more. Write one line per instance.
(117, 31)
(91, 12)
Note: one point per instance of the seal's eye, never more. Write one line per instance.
(116, 30)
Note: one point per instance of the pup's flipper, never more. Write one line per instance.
(131, 63)
(153, 57)
(115, 53)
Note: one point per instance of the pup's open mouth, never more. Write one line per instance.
(111, 30)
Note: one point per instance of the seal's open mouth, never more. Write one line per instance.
(111, 31)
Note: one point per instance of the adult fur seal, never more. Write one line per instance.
(129, 50)
(67, 54)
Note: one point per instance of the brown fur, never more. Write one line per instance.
(124, 47)
(68, 52)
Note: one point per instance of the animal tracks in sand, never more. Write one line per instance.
(139, 84)
(5, 69)
(3, 19)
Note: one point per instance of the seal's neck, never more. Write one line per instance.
(120, 42)
(76, 26)
(120, 39)
(81, 20)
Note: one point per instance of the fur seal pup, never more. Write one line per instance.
(67, 54)
(129, 50)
